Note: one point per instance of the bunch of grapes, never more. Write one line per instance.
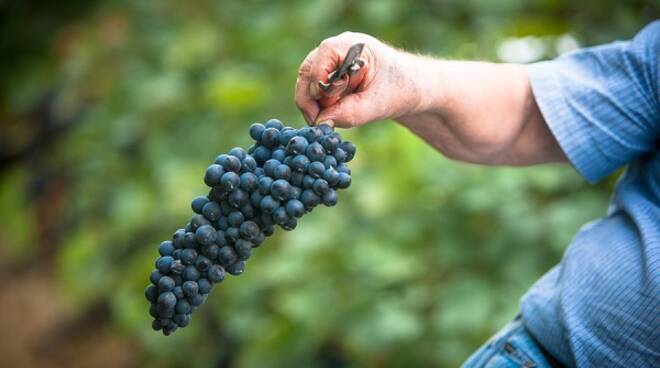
(285, 174)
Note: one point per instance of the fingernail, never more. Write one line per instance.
(327, 122)
(314, 90)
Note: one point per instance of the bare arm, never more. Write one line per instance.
(470, 111)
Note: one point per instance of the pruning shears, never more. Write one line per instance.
(349, 67)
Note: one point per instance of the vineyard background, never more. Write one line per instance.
(111, 110)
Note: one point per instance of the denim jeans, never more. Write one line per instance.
(513, 346)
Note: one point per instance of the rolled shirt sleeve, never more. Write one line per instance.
(602, 103)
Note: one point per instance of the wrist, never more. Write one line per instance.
(426, 85)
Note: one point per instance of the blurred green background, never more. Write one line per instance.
(111, 110)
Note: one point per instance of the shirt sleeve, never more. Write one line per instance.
(602, 103)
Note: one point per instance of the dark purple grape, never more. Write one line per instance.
(286, 135)
(256, 130)
(178, 292)
(177, 238)
(290, 225)
(177, 267)
(331, 176)
(237, 268)
(230, 180)
(211, 211)
(320, 186)
(198, 220)
(316, 169)
(155, 276)
(344, 181)
(191, 273)
(205, 235)
(248, 181)
(238, 152)
(279, 154)
(275, 124)
(329, 198)
(294, 192)
(325, 129)
(344, 169)
(264, 184)
(340, 155)
(235, 219)
(166, 300)
(190, 288)
(295, 208)
(232, 234)
(212, 250)
(189, 240)
(163, 264)
(188, 256)
(309, 198)
(249, 164)
(315, 152)
(247, 210)
(205, 286)
(166, 248)
(269, 204)
(243, 249)
(330, 161)
(299, 163)
(296, 146)
(216, 273)
(270, 165)
(329, 143)
(349, 149)
(280, 189)
(249, 230)
(237, 198)
(270, 138)
(308, 182)
(182, 307)
(227, 255)
(261, 154)
(198, 203)
(282, 172)
(280, 216)
(255, 198)
(166, 284)
(151, 293)
(297, 178)
(213, 174)
(202, 263)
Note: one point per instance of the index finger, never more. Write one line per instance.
(304, 97)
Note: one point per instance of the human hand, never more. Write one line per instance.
(381, 89)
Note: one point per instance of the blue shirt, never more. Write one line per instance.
(600, 307)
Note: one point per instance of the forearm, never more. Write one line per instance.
(477, 112)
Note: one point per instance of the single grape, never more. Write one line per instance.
(178, 292)
(280, 189)
(299, 163)
(191, 273)
(279, 154)
(235, 219)
(166, 248)
(269, 204)
(189, 240)
(166, 284)
(290, 225)
(325, 129)
(261, 154)
(264, 184)
(309, 198)
(197, 221)
(213, 174)
(177, 238)
(212, 250)
(237, 198)
(190, 288)
(188, 256)
(331, 176)
(295, 208)
(256, 130)
(329, 143)
(330, 161)
(286, 135)
(205, 235)
(230, 181)
(320, 186)
(274, 123)
(340, 155)
(282, 172)
(248, 181)
(344, 181)
(216, 274)
(238, 152)
(205, 286)
(315, 152)
(297, 178)
(243, 249)
(164, 263)
(270, 138)
(316, 169)
(166, 300)
(249, 164)
(202, 263)
(308, 182)
(280, 216)
(227, 255)
(329, 198)
(232, 234)
(182, 307)
(296, 146)
(237, 268)
(349, 149)
(151, 293)
(255, 198)
(232, 164)
(211, 211)
(249, 230)
(177, 266)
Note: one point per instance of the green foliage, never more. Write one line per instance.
(419, 263)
